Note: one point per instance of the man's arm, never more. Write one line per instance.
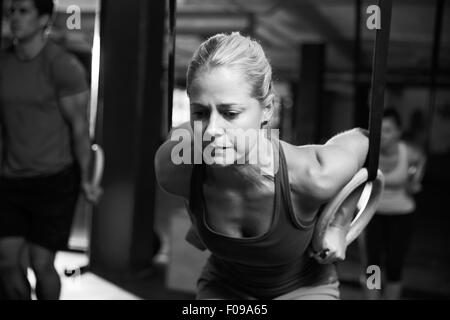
(73, 95)
(74, 111)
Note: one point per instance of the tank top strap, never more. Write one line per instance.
(195, 196)
(283, 177)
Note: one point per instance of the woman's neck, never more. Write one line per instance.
(239, 176)
(390, 150)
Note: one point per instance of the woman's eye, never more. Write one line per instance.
(231, 114)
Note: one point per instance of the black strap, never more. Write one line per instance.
(379, 66)
(171, 68)
(440, 7)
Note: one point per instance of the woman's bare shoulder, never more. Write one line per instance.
(298, 156)
(172, 176)
(301, 163)
(414, 152)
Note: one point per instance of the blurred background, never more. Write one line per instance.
(131, 245)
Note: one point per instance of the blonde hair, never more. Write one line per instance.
(239, 52)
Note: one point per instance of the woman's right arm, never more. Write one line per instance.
(173, 171)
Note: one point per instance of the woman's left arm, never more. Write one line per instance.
(341, 158)
(416, 169)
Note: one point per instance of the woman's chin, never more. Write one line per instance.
(221, 162)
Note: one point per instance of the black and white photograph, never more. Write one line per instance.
(239, 150)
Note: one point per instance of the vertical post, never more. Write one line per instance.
(132, 99)
(171, 68)
(153, 17)
(1, 23)
(434, 69)
(308, 104)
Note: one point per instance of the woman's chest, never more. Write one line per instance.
(389, 163)
(239, 213)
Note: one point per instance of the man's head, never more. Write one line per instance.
(29, 17)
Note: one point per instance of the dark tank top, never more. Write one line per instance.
(270, 264)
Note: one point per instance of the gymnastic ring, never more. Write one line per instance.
(98, 164)
(366, 206)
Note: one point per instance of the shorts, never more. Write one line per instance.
(40, 209)
(211, 287)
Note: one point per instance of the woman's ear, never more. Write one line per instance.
(268, 112)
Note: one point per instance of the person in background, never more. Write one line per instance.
(46, 150)
(388, 235)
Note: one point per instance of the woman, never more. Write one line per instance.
(389, 232)
(256, 217)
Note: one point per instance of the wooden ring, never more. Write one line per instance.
(366, 206)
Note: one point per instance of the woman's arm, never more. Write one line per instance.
(416, 169)
(337, 162)
(332, 165)
(173, 161)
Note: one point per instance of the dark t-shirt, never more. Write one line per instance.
(36, 139)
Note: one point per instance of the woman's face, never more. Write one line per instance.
(390, 133)
(220, 99)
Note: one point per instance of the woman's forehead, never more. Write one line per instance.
(220, 80)
(389, 123)
(220, 73)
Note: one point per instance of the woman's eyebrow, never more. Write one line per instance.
(220, 106)
(228, 105)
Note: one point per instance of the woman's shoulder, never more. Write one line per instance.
(300, 163)
(413, 152)
(297, 155)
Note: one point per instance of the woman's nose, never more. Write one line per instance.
(214, 127)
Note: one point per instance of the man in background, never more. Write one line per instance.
(45, 150)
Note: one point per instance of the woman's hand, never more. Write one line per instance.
(334, 244)
(415, 175)
(416, 169)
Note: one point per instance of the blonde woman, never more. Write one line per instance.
(256, 218)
